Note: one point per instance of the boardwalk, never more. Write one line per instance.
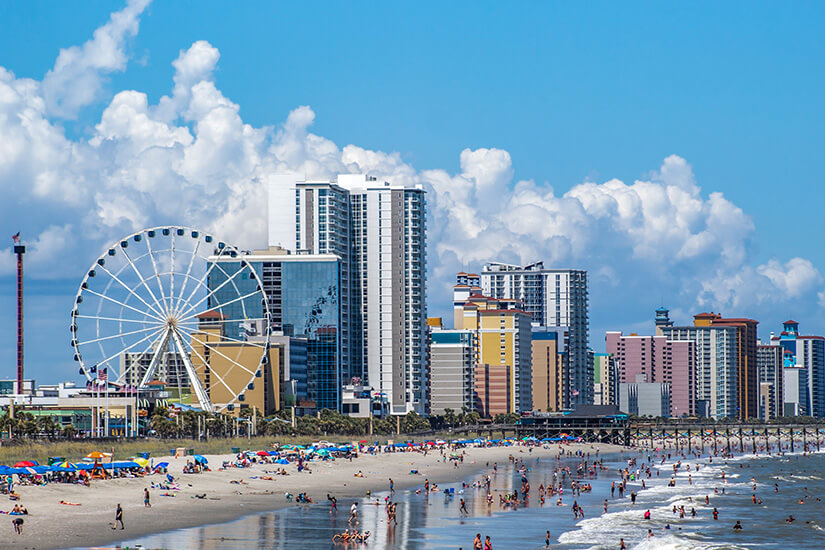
(678, 436)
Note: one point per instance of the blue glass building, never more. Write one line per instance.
(304, 298)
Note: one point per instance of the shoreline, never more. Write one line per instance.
(52, 526)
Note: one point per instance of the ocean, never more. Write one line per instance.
(434, 522)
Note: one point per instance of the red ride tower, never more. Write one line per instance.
(19, 249)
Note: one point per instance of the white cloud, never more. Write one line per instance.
(76, 80)
(191, 159)
(769, 283)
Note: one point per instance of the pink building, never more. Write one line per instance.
(659, 360)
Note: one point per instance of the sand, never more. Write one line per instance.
(51, 525)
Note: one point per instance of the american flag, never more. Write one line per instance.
(16, 237)
(89, 385)
(575, 392)
(103, 374)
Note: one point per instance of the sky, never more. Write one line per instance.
(670, 150)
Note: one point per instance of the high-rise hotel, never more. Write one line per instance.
(554, 298)
(378, 229)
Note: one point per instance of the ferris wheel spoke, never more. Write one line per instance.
(157, 271)
(141, 278)
(244, 297)
(215, 350)
(144, 339)
(136, 361)
(115, 336)
(214, 290)
(172, 275)
(212, 372)
(130, 290)
(224, 337)
(116, 319)
(179, 299)
(118, 302)
(203, 280)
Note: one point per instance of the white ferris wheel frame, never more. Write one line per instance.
(170, 316)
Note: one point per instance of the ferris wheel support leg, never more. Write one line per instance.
(153, 364)
(200, 391)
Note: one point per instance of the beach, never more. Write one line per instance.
(51, 525)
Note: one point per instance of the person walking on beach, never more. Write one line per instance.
(392, 490)
(477, 542)
(462, 508)
(17, 523)
(353, 513)
(547, 540)
(488, 545)
(118, 518)
(146, 503)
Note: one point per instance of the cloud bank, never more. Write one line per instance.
(191, 159)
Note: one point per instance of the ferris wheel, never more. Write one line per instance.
(176, 305)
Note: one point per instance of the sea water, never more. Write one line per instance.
(433, 521)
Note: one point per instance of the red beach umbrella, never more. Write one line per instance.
(25, 464)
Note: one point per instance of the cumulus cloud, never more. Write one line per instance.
(773, 282)
(77, 78)
(191, 159)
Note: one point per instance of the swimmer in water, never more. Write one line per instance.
(737, 526)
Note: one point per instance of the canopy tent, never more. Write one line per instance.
(127, 464)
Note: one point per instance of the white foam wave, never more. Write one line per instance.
(673, 542)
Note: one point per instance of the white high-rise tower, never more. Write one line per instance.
(379, 231)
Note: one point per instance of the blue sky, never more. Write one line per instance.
(557, 94)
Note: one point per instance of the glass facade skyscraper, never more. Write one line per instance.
(310, 308)
(303, 293)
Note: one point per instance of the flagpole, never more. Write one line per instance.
(106, 434)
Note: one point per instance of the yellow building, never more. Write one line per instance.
(503, 336)
(225, 368)
(547, 371)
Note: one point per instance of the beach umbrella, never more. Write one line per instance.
(66, 464)
(274, 453)
(96, 455)
(26, 464)
(201, 460)
(282, 461)
(262, 453)
(161, 465)
(142, 462)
